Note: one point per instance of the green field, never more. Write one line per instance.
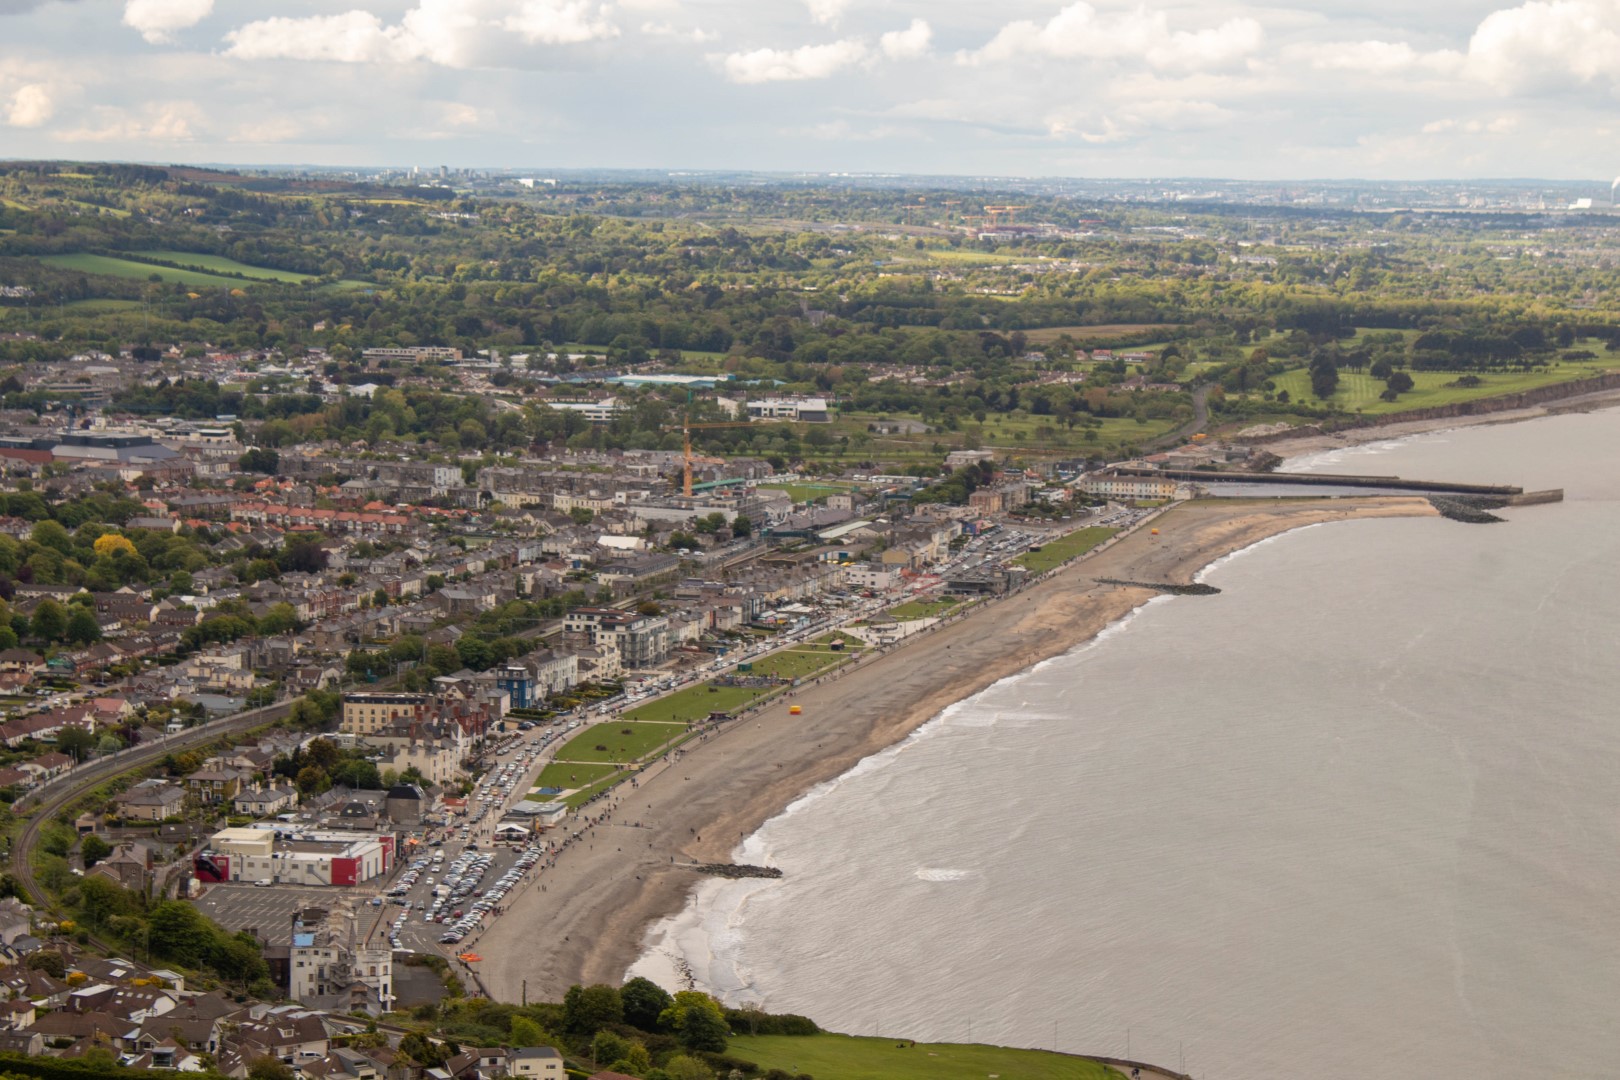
(575, 774)
(808, 491)
(923, 609)
(86, 263)
(642, 739)
(218, 263)
(798, 663)
(694, 703)
(1358, 391)
(846, 1057)
(1064, 548)
(99, 307)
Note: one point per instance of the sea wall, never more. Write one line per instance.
(1524, 399)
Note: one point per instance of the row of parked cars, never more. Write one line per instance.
(493, 895)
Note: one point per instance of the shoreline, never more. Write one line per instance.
(587, 918)
(1302, 445)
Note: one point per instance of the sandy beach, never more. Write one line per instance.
(585, 919)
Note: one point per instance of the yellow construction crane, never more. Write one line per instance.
(687, 427)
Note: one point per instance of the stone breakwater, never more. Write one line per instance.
(1164, 587)
(1472, 511)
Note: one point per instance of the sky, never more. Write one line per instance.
(1370, 89)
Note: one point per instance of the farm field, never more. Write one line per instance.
(86, 263)
(219, 263)
(1056, 552)
(849, 1057)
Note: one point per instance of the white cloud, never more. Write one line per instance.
(697, 35)
(158, 20)
(354, 37)
(1546, 42)
(559, 22)
(790, 65)
(907, 44)
(828, 12)
(451, 33)
(30, 106)
(1378, 58)
(1081, 32)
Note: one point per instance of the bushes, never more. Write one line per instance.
(755, 1022)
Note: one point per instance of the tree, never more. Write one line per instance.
(644, 1001)
(586, 1009)
(93, 849)
(582, 515)
(82, 628)
(49, 622)
(526, 1032)
(681, 1067)
(268, 1068)
(697, 1020)
(111, 544)
(741, 526)
(1399, 381)
(76, 742)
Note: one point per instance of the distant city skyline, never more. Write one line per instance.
(1465, 89)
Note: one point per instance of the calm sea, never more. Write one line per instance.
(1356, 816)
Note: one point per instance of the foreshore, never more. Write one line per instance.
(585, 919)
(1318, 442)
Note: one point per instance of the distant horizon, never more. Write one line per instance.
(676, 172)
(1259, 92)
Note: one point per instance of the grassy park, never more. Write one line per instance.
(798, 663)
(1359, 392)
(624, 741)
(693, 703)
(567, 775)
(1056, 552)
(849, 1057)
(924, 609)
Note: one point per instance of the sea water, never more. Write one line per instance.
(1357, 815)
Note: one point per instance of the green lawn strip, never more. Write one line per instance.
(808, 492)
(572, 774)
(219, 263)
(923, 609)
(1056, 552)
(849, 640)
(797, 663)
(624, 741)
(695, 703)
(848, 1057)
(585, 795)
(1358, 392)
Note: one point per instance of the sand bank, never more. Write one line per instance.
(585, 919)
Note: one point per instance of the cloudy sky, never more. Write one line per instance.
(1106, 88)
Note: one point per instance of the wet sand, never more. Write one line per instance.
(585, 919)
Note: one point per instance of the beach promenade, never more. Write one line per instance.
(584, 919)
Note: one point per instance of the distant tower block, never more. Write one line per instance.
(1614, 191)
